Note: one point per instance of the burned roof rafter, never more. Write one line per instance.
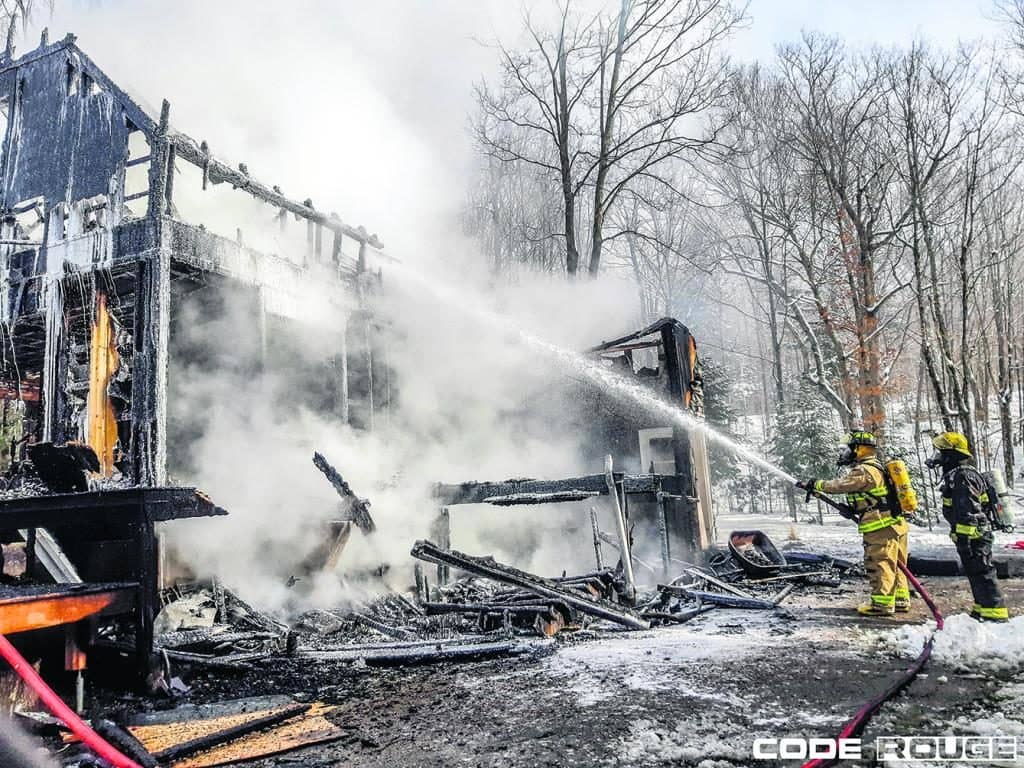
(187, 148)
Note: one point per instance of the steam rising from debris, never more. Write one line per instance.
(459, 384)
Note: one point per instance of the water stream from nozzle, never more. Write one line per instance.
(613, 383)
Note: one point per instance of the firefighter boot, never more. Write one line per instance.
(902, 602)
(996, 615)
(873, 608)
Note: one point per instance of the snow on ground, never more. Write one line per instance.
(693, 741)
(650, 661)
(966, 644)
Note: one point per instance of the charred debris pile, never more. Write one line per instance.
(490, 609)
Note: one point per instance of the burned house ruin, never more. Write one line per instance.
(96, 260)
(99, 265)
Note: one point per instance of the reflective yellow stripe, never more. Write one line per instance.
(970, 531)
(902, 593)
(947, 501)
(993, 613)
(983, 498)
(876, 525)
(819, 486)
(883, 599)
(878, 492)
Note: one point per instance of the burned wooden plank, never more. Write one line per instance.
(207, 741)
(360, 508)
(126, 742)
(106, 506)
(700, 574)
(380, 626)
(164, 730)
(213, 637)
(435, 609)
(678, 618)
(479, 492)
(487, 567)
(726, 601)
(232, 662)
(424, 651)
(475, 492)
(541, 498)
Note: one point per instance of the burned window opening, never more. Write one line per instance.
(72, 81)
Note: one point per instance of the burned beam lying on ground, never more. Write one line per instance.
(488, 568)
(125, 741)
(436, 609)
(424, 651)
(592, 485)
(360, 508)
(379, 626)
(178, 751)
(726, 601)
(211, 637)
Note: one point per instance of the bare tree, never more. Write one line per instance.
(604, 102)
(659, 71)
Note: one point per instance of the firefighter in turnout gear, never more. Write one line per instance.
(965, 499)
(879, 520)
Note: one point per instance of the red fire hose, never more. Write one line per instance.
(857, 723)
(61, 710)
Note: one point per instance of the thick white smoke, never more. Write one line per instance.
(459, 390)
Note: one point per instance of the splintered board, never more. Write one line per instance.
(307, 729)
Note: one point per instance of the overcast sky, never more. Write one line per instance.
(362, 105)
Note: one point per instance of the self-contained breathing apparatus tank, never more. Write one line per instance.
(899, 478)
(998, 506)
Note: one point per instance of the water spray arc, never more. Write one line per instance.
(575, 362)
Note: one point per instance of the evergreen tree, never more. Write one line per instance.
(806, 435)
(720, 412)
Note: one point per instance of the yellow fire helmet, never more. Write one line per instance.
(860, 438)
(951, 441)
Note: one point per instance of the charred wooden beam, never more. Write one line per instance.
(218, 172)
(678, 618)
(178, 751)
(451, 494)
(188, 637)
(436, 609)
(596, 530)
(232, 662)
(424, 651)
(380, 626)
(621, 523)
(541, 498)
(487, 567)
(726, 601)
(125, 741)
(360, 508)
(732, 589)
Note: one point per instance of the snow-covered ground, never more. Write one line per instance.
(966, 644)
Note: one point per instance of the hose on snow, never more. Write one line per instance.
(855, 726)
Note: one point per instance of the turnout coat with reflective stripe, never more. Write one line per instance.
(964, 494)
(864, 486)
